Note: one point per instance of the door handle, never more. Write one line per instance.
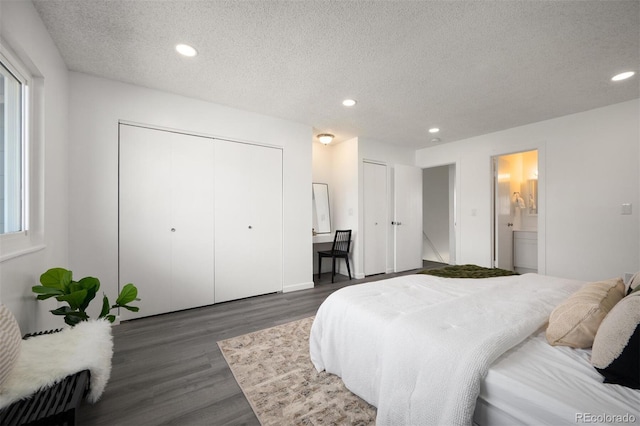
(396, 223)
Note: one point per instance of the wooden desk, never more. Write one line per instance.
(323, 238)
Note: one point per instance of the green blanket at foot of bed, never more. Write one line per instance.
(467, 271)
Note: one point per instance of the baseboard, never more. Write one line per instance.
(359, 276)
(296, 287)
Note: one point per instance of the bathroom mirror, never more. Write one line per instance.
(321, 220)
(532, 201)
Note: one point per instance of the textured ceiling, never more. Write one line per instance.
(468, 67)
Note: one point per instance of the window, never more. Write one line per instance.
(13, 89)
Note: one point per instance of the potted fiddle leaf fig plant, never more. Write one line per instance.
(59, 283)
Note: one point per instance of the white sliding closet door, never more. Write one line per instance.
(166, 219)
(375, 218)
(145, 243)
(192, 192)
(248, 220)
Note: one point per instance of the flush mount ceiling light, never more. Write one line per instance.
(349, 102)
(434, 130)
(186, 50)
(623, 76)
(325, 138)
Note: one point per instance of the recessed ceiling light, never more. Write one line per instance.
(186, 50)
(349, 102)
(434, 130)
(623, 76)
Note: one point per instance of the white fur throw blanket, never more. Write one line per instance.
(417, 347)
(49, 358)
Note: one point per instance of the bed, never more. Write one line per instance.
(427, 350)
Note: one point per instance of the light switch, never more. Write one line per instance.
(626, 208)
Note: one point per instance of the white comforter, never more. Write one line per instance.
(418, 346)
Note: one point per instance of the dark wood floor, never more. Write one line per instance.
(168, 370)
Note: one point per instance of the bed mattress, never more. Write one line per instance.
(536, 383)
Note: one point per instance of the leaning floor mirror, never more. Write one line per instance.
(321, 219)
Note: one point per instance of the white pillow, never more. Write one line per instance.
(575, 321)
(10, 342)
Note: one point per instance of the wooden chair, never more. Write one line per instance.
(339, 249)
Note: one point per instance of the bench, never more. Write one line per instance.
(53, 405)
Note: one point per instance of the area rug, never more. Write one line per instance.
(468, 271)
(274, 370)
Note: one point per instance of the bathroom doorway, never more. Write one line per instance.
(515, 211)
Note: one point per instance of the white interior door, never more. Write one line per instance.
(407, 222)
(502, 211)
(145, 218)
(248, 220)
(166, 219)
(375, 218)
(192, 232)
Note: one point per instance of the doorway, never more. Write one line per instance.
(439, 221)
(515, 211)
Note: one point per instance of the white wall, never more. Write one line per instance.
(24, 32)
(588, 165)
(97, 104)
(321, 163)
(344, 201)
